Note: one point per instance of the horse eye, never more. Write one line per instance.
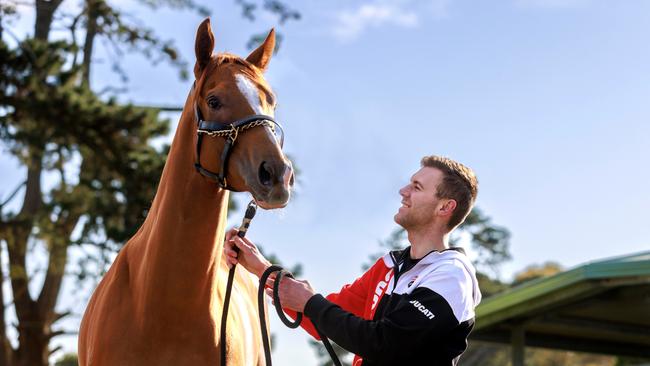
(214, 103)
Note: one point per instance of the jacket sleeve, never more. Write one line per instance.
(417, 318)
(351, 298)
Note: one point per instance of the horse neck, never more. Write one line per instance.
(177, 252)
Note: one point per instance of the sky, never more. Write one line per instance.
(547, 100)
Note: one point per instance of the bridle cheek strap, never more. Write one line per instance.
(230, 131)
(221, 176)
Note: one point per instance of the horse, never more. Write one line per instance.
(160, 302)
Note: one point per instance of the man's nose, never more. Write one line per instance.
(403, 191)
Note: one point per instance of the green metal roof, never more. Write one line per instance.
(625, 267)
(590, 304)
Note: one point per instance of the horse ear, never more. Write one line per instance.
(262, 55)
(203, 46)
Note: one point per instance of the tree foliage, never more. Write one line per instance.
(535, 271)
(97, 153)
(68, 359)
(282, 12)
(103, 169)
(490, 241)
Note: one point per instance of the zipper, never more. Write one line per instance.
(395, 270)
(398, 271)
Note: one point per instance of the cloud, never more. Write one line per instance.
(552, 4)
(351, 23)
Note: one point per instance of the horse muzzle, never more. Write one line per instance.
(272, 186)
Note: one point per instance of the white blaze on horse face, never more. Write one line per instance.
(252, 94)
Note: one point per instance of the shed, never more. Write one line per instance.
(599, 307)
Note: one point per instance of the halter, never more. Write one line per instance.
(229, 131)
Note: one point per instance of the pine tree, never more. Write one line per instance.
(98, 150)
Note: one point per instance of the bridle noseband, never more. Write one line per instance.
(229, 131)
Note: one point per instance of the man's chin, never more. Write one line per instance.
(398, 220)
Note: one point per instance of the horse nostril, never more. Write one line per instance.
(292, 180)
(265, 174)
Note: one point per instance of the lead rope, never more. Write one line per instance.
(241, 232)
(248, 216)
(278, 307)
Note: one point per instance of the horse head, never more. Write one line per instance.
(238, 136)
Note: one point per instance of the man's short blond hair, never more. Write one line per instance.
(459, 183)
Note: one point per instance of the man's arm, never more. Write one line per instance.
(351, 298)
(422, 315)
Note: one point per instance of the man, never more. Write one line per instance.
(414, 306)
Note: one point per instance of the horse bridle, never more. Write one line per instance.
(229, 131)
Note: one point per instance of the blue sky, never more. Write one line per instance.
(548, 100)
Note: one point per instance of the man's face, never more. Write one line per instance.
(419, 201)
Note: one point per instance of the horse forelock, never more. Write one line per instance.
(223, 60)
(242, 67)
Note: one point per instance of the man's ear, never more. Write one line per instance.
(262, 55)
(203, 47)
(447, 208)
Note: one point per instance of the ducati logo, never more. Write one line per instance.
(422, 309)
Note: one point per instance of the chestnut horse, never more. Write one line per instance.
(160, 303)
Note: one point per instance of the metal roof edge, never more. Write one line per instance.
(609, 268)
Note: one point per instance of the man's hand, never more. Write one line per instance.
(293, 294)
(249, 256)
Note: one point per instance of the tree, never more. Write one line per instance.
(535, 271)
(99, 152)
(112, 144)
(69, 359)
(491, 242)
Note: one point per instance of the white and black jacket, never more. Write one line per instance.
(401, 311)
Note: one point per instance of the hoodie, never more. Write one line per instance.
(402, 311)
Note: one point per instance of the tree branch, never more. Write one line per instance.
(59, 316)
(73, 30)
(92, 14)
(11, 196)
(112, 90)
(55, 349)
(44, 16)
(5, 348)
(57, 333)
(33, 197)
(16, 247)
(58, 244)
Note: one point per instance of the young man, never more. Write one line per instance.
(414, 306)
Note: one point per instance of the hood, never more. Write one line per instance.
(396, 257)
